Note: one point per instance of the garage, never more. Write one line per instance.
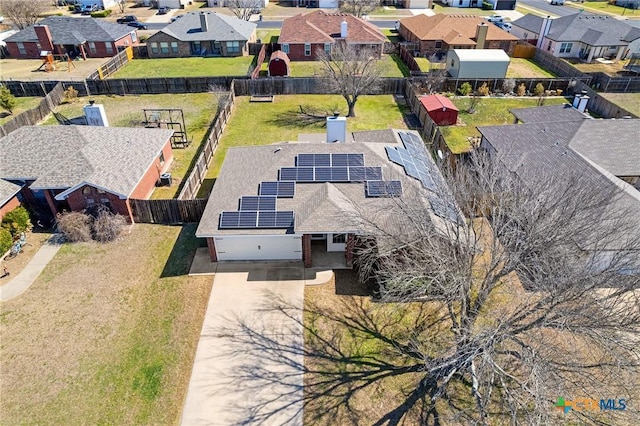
(506, 5)
(258, 247)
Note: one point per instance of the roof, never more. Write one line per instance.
(219, 27)
(7, 191)
(323, 27)
(529, 22)
(63, 157)
(549, 114)
(437, 102)
(68, 30)
(481, 55)
(318, 207)
(279, 54)
(448, 27)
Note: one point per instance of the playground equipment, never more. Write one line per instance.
(169, 118)
(50, 61)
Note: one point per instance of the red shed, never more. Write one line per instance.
(279, 64)
(440, 109)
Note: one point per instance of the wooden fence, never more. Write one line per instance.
(408, 59)
(33, 116)
(308, 85)
(600, 105)
(113, 64)
(259, 60)
(558, 66)
(608, 84)
(168, 212)
(526, 51)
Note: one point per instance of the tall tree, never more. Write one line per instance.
(359, 8)
(23, 12)
(350, 71)
(244, 9)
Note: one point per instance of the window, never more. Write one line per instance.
(108, 47)
(21, 48)
(285, 48)
(566, 47)
(195, 47)
(161, 158)
(307, 49)
(133, 37)
(92, 47)
(438, 45)
(174, 47)
(233, 47)
(327, 48)
(154, 48)
(549, 45)
(460, 3)
(164, 47)
(339, 238)
(526, 35)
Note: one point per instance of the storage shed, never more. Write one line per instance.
(279, 64)
(440, 109)
(477, 63)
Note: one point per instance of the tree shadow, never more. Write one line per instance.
(305, 116)
(182, 253)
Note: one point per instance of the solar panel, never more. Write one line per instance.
(267, 219)
(393, 155)
(444, 208)
(355, 159)
(284, 219)
(357, 174)
(289, 173)
(313, 160)
(381, 188)
(248, 219)
(339, 160)
(257, 203)
(426, 181)
(238, 220)
(253, 220)
(411, 170)
(305, 174)
(323, 174)
(284, 189)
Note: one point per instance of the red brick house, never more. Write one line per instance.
(77, 37)
(8, 197)
(76, 167)
(303, 36)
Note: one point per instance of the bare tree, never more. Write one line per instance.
(23, 12)
(122, 5)
(351, 71)
(359, 7)
(243, 9)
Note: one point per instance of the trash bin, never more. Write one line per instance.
(165, 179)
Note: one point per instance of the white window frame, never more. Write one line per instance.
(174, 47)
(327, 48)
(566, 47)
(154, 48)
(233, 47)
(21, 48)
(307, 49)
(108, 47)
(285, 48)
(164, 47)
(92, 47)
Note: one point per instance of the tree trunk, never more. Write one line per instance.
(352, 109)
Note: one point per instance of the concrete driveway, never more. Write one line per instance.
(248, 365)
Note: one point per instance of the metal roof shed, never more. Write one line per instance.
(440, 109)
(477, 63)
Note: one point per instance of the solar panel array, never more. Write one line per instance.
(444, 207)
(256, 219)
(330, 174)
(414, 158)
(283, 189)
(381, 188)
(329, 160)
(259, 203)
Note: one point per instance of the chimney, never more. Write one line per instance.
(336, 128)
(481, 35)
(95, 115)
(203, 22)
(576, 98)
(343, 29)
(544, 30)
(582, 104)
(44, 37)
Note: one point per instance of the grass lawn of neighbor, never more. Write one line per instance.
(22, 104)
(601, 6)
(390, 67)
(126, 111)
(106, 334)
(489, 112)
(185, 67)
(628, 101)
(526, 68)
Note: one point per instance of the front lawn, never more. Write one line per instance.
(22, 104)
(268, 35)
(107, 334)
(185, 67)
(526, 68)
(390, 67)
(489, 112)
(599, 6)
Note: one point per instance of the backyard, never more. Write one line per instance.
(22, 104)
(526, 68)
(391, 67)
(185, 67)
(628, 101)
(107, 334)
(126, 111)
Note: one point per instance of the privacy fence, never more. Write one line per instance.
(113, 64)
(169, 212)
(34, 115)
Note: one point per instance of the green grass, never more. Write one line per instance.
(439, 8)
(526, 68)
(273, 121)
(628, 101)
(392, 35)
(185, 67)
(391, 67)
(22, 104)
(603, 6)
(426, 65)
(489, 112)
(268, 36)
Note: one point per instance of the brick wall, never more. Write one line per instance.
(148, 182)
(211, 245)
(184, 47)
(8, 206)
(296, 51)
(33, 51)
(81, 198)
(348, 251)
(306, 250)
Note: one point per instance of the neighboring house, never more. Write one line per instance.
(174, 4)
(409, 4)
(202, 34)
(435, 35)
(293, 201)
(325, 4)
(75, 167)
(83, 37)
(441, 110)
(227, 3)
(477, 63)
(8, 197)
(303, 36)
(579, 36)
(497, 4)
(103, 4)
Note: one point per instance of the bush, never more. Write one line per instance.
(6, 240)
(522, 89)
(16, 221)
(539, 90)
(71, 94)
(75, 226)
(465, 88)
(71, 8)
(508, 85)
(107, 226)
(7, 100)
(101, 13)
(487, 6)
(483, 90)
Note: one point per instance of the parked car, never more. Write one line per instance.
(126, 19)
(494, 18)
(558, 2)
(138, 25)
(163, 10)
(89, 8)
(505, 26)
(175, 18)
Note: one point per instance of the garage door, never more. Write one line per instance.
(259, 247)
(506, 5)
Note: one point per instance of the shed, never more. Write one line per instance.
(440, 109)
(279, 64)
(477, 63)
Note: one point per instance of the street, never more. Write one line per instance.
(553, 10)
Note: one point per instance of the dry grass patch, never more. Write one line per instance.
(107, 334)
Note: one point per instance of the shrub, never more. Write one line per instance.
(483, 90)
(71, 8)
(16, 221)
(75, 226)
(465, 88)
(5, 240)
(107, 226)
(539, 90)
(522, 89)
(508, 85)
(71, 94)
(101, 13)
(7, 100)
(487, 6)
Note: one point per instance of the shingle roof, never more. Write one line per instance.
(549, 114)
(111, 158)
(323, 27)
(219, 27)
(448, 27)
(529, 22)
(318, 207)
(68, 30)
(7, 191)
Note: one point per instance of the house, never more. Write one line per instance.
(408, 4)
(477, 63)
(174, 4)
(202, 34)
(279, 64)
(304, 35)
(579, 36)
(8, 197)
(227, 3)
(292, 201)
(75, 167)
(496, 4)
(435, 35)
(441, 110)
(324, 4)
(83, 37)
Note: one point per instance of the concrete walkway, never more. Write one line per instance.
(21, 282)
(248, 365)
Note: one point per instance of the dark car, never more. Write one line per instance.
(126, 19)
(163, 10)
(138, 25)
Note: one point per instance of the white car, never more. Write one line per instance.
(495, 19)
(1, 19)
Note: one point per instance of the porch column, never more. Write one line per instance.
(348, 250)
(621, 50)
(52, 204)
(211, 245)
(82, 52)
(306, 250)
(591, 52)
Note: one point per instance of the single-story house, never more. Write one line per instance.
(304, 35)
(174, 4)
(496, 4)
(75, 167)
(477, 63)
(203, 34)
(579, 35)
(289, 201)
(408, 4)
(8, 197)
(279, 64)
(441, 110)
(227, 3)
(435, 35)
(325, 4)
(83, 37)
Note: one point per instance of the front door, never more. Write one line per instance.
(216, 49)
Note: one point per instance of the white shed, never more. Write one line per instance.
(477, 63)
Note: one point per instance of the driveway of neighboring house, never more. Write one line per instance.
(248, 364)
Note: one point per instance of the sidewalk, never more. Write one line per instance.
(21, 282)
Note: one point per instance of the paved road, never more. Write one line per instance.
(546, 6)
(278, 24)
